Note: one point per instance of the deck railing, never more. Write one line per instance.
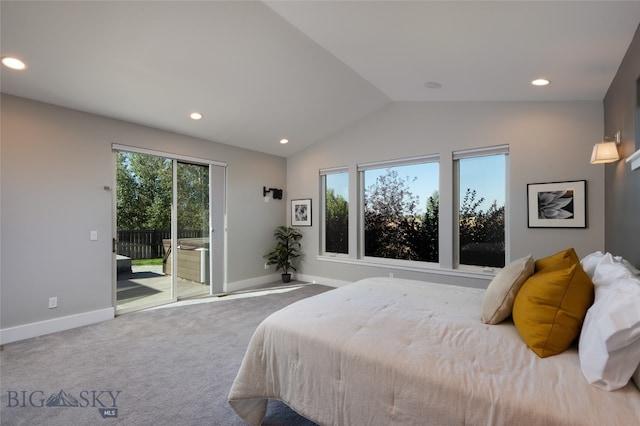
(147, 243)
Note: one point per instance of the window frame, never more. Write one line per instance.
(476, 153)
(448, 238)
(323, 173)
(361, 169)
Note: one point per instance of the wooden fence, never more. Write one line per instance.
(147, 244)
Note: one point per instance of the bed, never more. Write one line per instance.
(386, 351)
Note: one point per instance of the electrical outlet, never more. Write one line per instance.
(266, 266)
(53, 302)
(390, 274)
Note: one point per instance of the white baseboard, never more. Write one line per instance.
(251, 283)
(266, 279)
(27, 331)
(321, 280)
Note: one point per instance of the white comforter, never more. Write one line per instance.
(387, 351)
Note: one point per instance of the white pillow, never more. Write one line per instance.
(608, 272)
(627, 264)
(497, 302)
(590, 261)
(636, 377)
(609, 346)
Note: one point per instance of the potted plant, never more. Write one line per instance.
(286, 250)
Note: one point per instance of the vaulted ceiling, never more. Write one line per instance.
(302, 70)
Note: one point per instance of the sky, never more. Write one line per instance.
(487, 176)
(484, 174)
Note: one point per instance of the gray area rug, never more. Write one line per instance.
(169, 366)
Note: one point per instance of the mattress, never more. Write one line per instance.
(386, 351)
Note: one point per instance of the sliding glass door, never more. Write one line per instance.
(193, 231)
(169, 229)
(144, 188)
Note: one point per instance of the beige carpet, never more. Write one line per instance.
(169, 366)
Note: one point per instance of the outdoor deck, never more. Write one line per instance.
(148, 285)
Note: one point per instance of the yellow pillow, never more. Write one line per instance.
(551, 305)
(558, 260)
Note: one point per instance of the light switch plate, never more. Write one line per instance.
(93, 235)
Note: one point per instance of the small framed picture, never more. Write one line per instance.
(301, 212)
(557, 204)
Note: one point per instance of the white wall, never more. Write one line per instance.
(55, 163)
(548, 142)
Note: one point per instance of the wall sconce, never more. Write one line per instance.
(275, 193)
(607, 150)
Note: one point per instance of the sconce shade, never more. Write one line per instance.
(604, 152)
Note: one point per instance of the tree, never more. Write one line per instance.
(427, 239)
(128, 207)
(471, 220)
(337, 223)
(394, 229)
(481, 233)
(390, 218)
(193, 197)
(144, 193)
(155, 181)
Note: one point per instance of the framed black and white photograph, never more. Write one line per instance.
(301, 212)
(557, 204)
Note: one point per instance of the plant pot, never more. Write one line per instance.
(286, 278)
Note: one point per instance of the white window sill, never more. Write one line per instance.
(429, 268)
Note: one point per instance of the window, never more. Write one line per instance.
(336, 211)
(400, 209)
(481, 206)
(398, 212)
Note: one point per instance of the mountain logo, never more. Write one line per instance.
(62, 399)
(104, 400)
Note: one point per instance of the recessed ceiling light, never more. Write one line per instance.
(284, 141)
(432, 85)
(541, 82)
(196, 116)
(13, 63)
